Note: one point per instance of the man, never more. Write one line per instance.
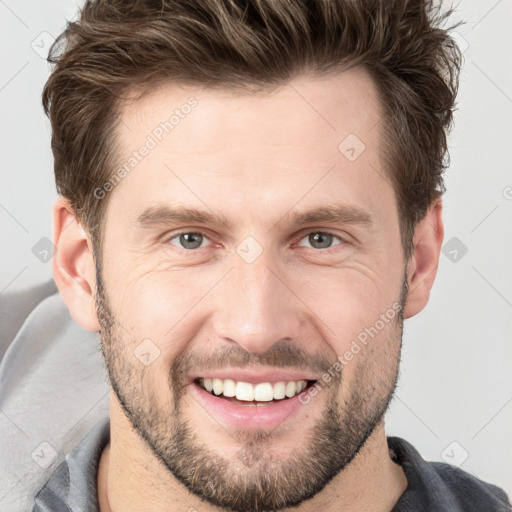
(250, 207)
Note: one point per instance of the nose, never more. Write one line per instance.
(256, 307)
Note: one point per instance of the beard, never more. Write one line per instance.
(254, 480)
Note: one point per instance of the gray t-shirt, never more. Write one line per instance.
(432, 486)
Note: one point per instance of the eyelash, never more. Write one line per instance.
(326, 250)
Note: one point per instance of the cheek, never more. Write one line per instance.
(162, 306)
(350, 304)
(369, 368)
(360, 323)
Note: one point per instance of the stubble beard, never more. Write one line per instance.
(255, 480)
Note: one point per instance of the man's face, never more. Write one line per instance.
(260, 300)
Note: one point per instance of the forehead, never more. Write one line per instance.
(314, 138)
(302, 110)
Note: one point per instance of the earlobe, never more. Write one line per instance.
(422, 267)
(73, 265)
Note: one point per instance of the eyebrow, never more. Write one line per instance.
(343, 214)
(163, 214)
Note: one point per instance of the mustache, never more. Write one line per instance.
(283, 354)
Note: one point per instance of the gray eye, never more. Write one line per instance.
(320, 240)
(189, 240)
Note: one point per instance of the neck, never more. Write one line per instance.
(131, 478)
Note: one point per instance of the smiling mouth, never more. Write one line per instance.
(245, 393)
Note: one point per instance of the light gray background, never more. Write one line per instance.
(455, 394)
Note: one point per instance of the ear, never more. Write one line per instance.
(422, 267)
(73, 265)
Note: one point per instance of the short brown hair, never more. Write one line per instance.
(117, 45)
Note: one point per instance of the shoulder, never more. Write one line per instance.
(54, 386)
(16, 306)
(72, 486)
(441, 487)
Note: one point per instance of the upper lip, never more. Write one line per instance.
(257, 375)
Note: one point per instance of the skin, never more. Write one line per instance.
(252, 158)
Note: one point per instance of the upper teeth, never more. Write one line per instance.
(262, 392)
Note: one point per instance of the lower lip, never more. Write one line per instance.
(266, 416)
